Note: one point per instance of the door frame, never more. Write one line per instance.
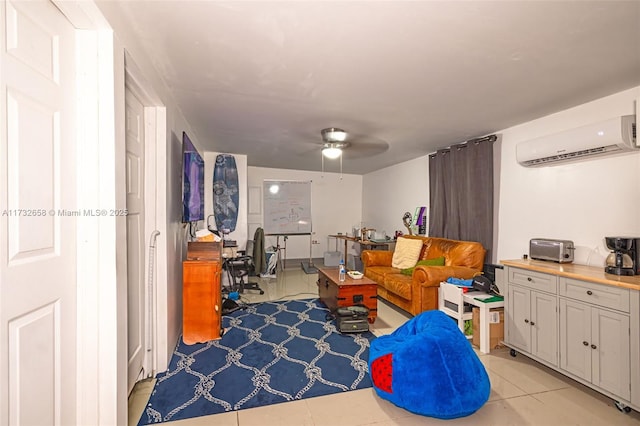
(154, 202)
(101, 269)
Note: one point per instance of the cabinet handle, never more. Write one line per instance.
(526, 321)
(533, 323)
(593, 346)
(585, 343)
(529, 279)
(326, 283)
(589, 292)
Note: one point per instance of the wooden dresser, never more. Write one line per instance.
(201, 293)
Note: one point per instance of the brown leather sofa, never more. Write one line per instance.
(419, 292)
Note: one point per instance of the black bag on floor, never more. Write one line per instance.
(352, 319)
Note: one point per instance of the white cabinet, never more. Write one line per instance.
(595, 342)
(532, 324)
(587, 329)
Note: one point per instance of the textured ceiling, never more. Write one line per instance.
(402, 78)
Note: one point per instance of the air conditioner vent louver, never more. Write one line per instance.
(572, 155)
(618, 136)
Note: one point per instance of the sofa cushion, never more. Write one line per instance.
(438, 261)
(398, 284)
(469, 254)
(406, 253)
(377, 273)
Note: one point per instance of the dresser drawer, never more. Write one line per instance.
(596, 294)
(534, 280)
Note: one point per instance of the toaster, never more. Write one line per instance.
(560, 251)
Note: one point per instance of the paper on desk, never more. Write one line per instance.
(492, 299)
(482, 296)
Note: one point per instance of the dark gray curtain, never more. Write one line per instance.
(461, 192)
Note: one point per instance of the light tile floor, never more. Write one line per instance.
(523, 392)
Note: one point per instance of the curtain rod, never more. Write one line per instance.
(490, 138)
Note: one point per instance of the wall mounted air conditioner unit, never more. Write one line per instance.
(614, 136)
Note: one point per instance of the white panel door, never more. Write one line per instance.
(136, 328)
(37, 216)
(610, 344)
(544, 326)
(575, 338)
(519, 313)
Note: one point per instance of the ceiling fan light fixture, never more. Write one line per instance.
(333, 134)
(331, 151)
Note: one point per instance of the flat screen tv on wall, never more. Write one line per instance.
(192, 182)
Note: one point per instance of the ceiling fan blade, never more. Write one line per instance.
(364, 146)
(359, 146)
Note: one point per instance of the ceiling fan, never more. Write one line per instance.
(334, 141)
(337, 143)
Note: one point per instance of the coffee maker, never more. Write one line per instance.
(624, 258)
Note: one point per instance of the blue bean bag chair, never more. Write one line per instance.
(427, 366)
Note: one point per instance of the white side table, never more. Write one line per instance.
(484, 318)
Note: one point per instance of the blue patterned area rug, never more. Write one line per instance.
(271, 352)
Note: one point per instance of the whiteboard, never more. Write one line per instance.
(286, 207)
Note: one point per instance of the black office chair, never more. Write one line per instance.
(240, 268)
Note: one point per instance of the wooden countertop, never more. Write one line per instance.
(578, 272)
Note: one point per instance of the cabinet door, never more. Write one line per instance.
(518, 318)
(610, 340)
(575, 338)
(201, 307)
(544, 327)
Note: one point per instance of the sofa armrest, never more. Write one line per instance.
(425, 283)
(432, 276)
(376, 258)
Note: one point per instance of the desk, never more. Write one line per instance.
(484, 318)
(366, 243)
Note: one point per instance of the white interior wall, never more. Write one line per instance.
(336, 205)
(582, 202)
(392, 191)
(241, 233)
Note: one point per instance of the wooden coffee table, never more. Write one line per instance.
(335, 294)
